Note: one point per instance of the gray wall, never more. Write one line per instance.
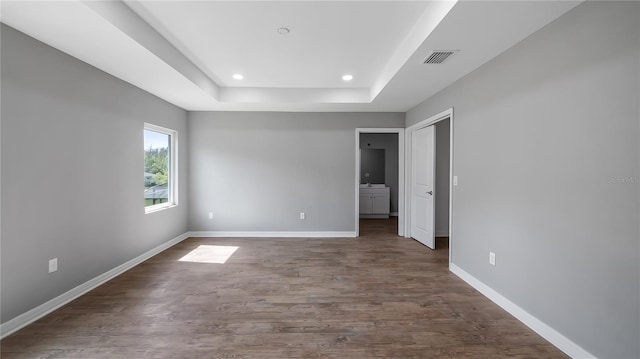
(257, 171)
(442, 178)
(547, 155)
(72, 164)
(388, 142)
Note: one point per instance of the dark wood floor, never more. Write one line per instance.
(378, 296)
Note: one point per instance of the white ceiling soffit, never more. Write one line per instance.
(186, 51)
(480, 30)
(72, 27)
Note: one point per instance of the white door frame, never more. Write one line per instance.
(401, 175)
(447, 114)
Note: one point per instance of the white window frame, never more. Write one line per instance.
(173, 168)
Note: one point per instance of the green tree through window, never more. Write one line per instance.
(156, 162)
(157, 166)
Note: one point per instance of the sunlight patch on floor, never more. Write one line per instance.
(209, 254)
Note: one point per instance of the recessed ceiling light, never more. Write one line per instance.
(283, 30)
(347, 77)
(238, 76)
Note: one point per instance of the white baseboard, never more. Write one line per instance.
(40, 311)
(560, 341)
(393, 214)
(269, 234)
(444, 234)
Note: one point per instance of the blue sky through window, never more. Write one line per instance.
(155, 140)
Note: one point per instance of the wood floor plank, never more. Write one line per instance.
(377, 296)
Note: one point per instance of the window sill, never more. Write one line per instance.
(158, 208)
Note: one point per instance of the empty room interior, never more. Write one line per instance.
(322, 179)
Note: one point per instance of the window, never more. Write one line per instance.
(160, 168)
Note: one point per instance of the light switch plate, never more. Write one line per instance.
(53, 265)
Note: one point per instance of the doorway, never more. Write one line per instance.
(378, 194)
(433, 208)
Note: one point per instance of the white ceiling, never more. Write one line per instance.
(327, 39)
(187, 51)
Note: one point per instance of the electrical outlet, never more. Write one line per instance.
(210, 215)
(492, 258)
(455, 180)
(53, 265)
(302, 215)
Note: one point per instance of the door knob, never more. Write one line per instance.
(430, 192)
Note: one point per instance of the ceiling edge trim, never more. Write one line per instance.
(294, 95)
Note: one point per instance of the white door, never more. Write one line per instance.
(422, 196)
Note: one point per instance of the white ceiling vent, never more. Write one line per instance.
(438, 56)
